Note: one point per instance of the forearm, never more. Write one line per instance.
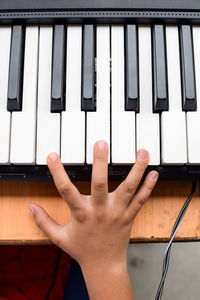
(108, 282)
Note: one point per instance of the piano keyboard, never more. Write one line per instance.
(62, 88)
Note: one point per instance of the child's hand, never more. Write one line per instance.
(101, 222)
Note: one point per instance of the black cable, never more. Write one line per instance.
(55, 274)
(168, 249)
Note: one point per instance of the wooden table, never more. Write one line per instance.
(153, 223)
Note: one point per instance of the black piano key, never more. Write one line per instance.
(189, 101)
(15, 80)
(58, 69)
(159, 69)
(132, 90)
(87, 99)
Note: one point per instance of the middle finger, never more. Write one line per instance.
(99, 184)
(127, 188)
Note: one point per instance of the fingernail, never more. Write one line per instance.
(101, 145)
(31, 208)
(53, 156)
(154, 175)
(142, 154)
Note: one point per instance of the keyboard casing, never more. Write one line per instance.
(99, 11)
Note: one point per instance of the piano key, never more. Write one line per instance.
(147, 122)
(73, 119)
(123, 122)
(132, 97)
(193, 117)
(173, 133)
(48, 124)
(23, 129)
(16, 69)
(87, 102)
(5, 116)
(98, 123)
(173, 122)
(58, 69)
(187, 68)
(159, 69)
(193, 139)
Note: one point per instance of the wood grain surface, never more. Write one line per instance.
(153, 223)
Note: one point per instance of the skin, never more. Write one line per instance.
(98, 234)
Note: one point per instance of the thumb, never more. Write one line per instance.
(52, 229)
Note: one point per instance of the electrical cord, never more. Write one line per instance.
(168, 249)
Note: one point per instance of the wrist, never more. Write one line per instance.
(98, 268)
(103, 261)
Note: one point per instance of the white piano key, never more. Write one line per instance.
(173, 67)
(147, 122)
(145, 69)
(173, 122)
(123, 122)
(48, 124)
(196, 47)
(5, 116)
(23, 130)
(98, 123)
(193, 118)
(173, 138)
(148, 135)
(193, 138)
(73, 119)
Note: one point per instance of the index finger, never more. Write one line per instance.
(63, 184)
